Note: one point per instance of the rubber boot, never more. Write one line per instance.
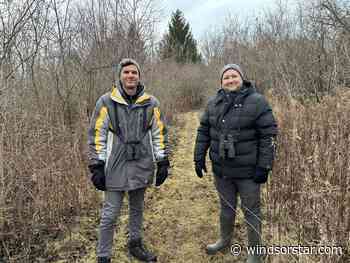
(226, 231)
(253, 259)
(103, 260)
(137, 249)
(254, 236)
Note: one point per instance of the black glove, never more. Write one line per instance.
(199, 166)
(162, 171)
(98, 177)
(261, 175)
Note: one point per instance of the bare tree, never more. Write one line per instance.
(330, 20)
(109, 30)
(213, 46)
(14, 19)
(337, 13)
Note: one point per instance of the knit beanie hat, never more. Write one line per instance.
(231, 66)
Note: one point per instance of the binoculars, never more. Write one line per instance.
(133, 150)
(227, 146)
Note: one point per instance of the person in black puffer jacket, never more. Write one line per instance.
(239, 128)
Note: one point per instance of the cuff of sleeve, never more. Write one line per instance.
(96, 164)
(263, 168)
(266, 166)
(164, 162)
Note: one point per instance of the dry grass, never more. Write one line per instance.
(44, 183)
(308, 197)
(46, 196)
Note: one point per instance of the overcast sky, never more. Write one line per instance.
(202, 14)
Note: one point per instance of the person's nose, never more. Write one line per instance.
(230, 80)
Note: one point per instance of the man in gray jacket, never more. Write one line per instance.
(127, 136)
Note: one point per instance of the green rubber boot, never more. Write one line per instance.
(103, 260)
(253, 259)
(226, 231)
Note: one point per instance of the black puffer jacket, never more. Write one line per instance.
(241, 119)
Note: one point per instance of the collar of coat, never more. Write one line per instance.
(116, 96)
(246, 89)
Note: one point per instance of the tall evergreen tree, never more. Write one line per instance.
(178, 42)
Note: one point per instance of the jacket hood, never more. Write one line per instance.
(141, 96)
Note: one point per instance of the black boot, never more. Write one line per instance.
(137, 249)
(103, 260)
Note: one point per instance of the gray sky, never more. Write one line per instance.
(203, 14)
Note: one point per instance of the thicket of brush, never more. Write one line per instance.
(308, 197)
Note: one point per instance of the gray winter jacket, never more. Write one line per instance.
(128, 138)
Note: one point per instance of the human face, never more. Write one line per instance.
(231, 80)
(129, 76)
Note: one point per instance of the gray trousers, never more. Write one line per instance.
(249, 192)
(109, 216)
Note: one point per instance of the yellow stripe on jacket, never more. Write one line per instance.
(98, 126)
(161, 127)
